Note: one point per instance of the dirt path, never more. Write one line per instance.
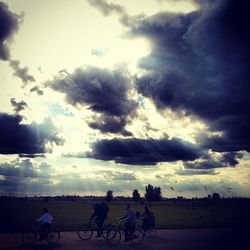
(205, 239)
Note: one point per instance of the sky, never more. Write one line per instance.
(101, 95)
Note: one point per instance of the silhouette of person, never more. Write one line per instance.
(46, 221)
(100, 214)
(148, 219)
(130, 222)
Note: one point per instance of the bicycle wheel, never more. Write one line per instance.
(137, 236)
(53, 237)
(106, 229)
(85, 232)
(29, 238)
(113, 236)
(152, 232)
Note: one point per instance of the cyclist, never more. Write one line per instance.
(130, 222)
(100, 214)
(148, 219)
(46, 221)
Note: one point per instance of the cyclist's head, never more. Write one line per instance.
(45, 210)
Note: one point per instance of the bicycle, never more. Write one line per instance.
(52, 236)
(150, 231)
(115, 234)
(148, 225)
(85, 231)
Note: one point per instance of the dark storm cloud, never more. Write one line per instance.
(106, 8)
(22, 186)
(37, 90)
(17, 138)
(8, 25)
(199, 63)
(20, 72)
(110, 124)
(207, 164)
(22, 175)
(187, 172)
(105, 92)
(18, 106)
(25, 169)
(229, 159)
(144, 152)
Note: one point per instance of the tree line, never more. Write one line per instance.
(151, 194)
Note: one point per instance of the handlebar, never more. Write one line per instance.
(118, 222)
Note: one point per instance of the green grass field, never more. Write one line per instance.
(20, 215)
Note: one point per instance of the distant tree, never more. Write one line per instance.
(216, 196)
(109, 196)
(149, 192)
(157, 193)
(152, 193)
(136, 195)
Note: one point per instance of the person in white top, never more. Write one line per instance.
(45, 220)
(130, 222)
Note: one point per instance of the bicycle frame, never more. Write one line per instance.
(85, 231)
(137, 231)
(91, 223)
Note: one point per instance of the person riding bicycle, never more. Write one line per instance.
(46, 222)
(100, 214)
(130, 222)
(148, 219)
(138, 217)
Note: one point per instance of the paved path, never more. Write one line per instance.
(189, 239)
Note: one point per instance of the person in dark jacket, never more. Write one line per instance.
(100, 214)
(148, 219)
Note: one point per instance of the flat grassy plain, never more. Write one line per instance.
(69, 215)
